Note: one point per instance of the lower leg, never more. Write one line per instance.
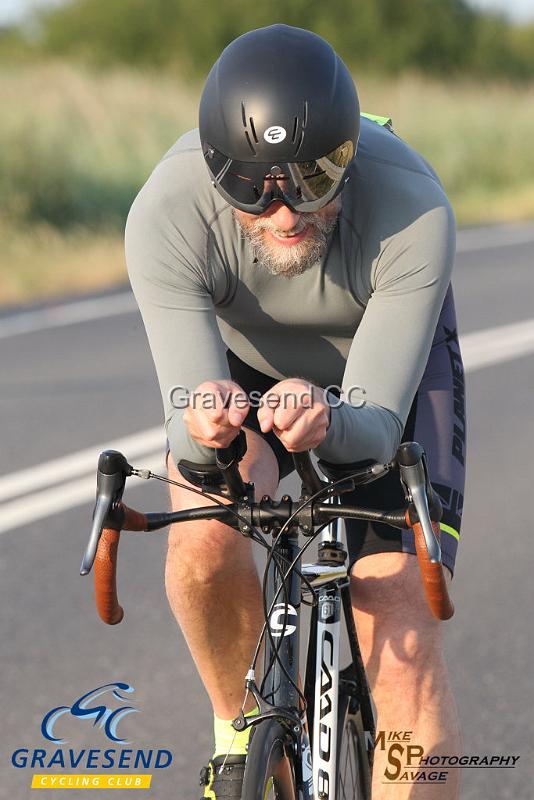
(216, 600)
(213, 587)
(431, 728)
(402, 650)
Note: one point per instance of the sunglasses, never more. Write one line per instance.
(301, 185)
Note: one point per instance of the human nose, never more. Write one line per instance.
(283, 217)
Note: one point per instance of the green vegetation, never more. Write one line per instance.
(41, 261)
(441, 37)
(94, 92)
(74, 149)
(477, 137)
(76, 146)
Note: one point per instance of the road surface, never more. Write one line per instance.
(77, 376)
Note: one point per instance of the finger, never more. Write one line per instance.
(294, 446)
(212, 405)
(286, 416)
(268, 404)
(212, 432)
(265, 418)
(237, 407)
(294, 439)
(306, 433)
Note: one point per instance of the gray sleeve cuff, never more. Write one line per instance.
(357, 434)
(183, 446)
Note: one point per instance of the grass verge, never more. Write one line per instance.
(75, 147)
(41, 262)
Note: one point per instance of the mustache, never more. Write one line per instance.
(315, 221)
(269, 225)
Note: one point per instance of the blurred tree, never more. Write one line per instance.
(436, 36)
(522, 45)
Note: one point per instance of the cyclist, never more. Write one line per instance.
(288, 247)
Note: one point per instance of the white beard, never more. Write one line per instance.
(295, 259)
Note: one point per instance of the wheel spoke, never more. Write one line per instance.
(349, 769)
(347, 757)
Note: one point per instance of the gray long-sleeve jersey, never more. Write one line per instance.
(364, 316)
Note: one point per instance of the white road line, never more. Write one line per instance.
(494, 345)
(469, 240)
(67, 314)
(37, 506)
(479, 349)
(68, 467)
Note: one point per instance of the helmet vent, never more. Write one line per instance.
(247, 136)
(253, 129)
(299, 142)
(250, 143)
(298, 135)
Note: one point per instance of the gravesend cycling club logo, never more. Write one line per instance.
(107, 718)
(105, 709)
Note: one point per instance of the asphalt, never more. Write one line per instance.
(66, 388)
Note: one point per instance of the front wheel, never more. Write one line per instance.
(270, 768)
(353, 781)
(353, 761)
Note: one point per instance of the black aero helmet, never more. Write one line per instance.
(279, 120)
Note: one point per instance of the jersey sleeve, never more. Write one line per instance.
(391, 346)
(166, 257)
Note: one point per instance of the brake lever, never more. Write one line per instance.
(411, 461)
(112, 472)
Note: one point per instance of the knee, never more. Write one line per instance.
(205, 555)
(407, 672)
(409, 655)
(400, 640)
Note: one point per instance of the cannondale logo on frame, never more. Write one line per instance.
(279, 620)
(275, 134)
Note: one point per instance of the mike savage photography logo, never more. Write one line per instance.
(105, 709)
(408, 763)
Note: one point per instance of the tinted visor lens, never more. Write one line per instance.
(303, 185)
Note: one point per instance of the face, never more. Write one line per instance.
(286, 242)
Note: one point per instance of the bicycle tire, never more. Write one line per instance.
(270, 768)
(353, 770)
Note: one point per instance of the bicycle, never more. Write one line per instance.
(314, 742)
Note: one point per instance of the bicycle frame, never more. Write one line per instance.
(323, 678)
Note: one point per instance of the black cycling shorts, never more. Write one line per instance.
(436, 420)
